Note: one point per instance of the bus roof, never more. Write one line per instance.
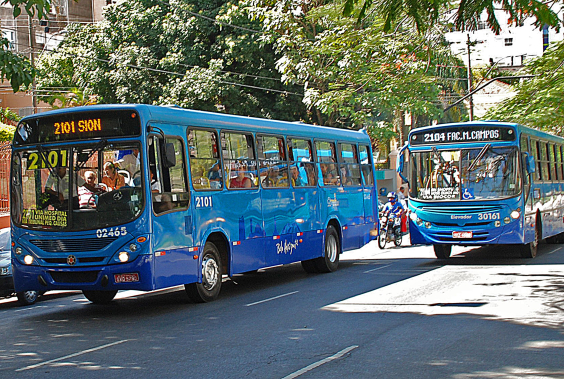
(181, 116)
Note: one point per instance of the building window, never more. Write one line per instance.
(10, 35)
(509, 42)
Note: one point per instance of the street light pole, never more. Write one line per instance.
(469, 44)
(32, 60)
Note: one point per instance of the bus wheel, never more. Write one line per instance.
(208, 290)
(330, 260)
(99, 297)
(27, 297)
(529, 250)
(442, 251)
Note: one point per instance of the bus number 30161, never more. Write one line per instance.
(488, 216)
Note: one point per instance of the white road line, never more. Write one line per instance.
(70, 356)
(272, 298)
(321, 362)
(377, 268)
(553, 251)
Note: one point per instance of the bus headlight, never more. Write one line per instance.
(28, 259)
(515, 215)
(123, 256)
(413, 216)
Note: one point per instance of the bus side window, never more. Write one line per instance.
(239, 160)
(366, 166)
(273, 165)
(205, 165)
(169, 183)
(302, 170)
(348, 165)
(326, 158)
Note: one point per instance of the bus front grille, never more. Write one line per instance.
(73, 245)
(74, 277)
(80, 260)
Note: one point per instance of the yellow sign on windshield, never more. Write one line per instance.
(55, 158)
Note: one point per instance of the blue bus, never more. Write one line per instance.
(483, 183)
(138, 197)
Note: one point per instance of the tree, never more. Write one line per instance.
(539, 100)
(199, 54)
(427, 13)
(355, 75)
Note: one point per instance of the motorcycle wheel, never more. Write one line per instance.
(398, 238)
(382, 239)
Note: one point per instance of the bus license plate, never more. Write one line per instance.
(461, 234)
(126, 278)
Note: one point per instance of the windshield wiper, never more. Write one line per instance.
(479, 157)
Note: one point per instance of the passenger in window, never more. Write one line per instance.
(88, 191)
(272, 178)
(130, 162)
(112, 179)
(214, 176)
(155, 185)
(240, 181)
(296, 177)
(57, 189)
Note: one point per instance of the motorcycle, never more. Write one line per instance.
(390, 230)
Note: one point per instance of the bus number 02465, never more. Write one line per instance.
(111, 232)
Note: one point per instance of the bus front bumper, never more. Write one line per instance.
(135, 275)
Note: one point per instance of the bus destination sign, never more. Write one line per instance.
(458, 134)
(78, 125)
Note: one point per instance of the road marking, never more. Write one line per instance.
(377, 268)
(70, 356)
(272, 298)
(321, 362)
(553, 251)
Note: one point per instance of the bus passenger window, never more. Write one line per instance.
(239, 160)
(302, 168)
(349, 169)
(366, 166)
(272, 162)
(326, 158)
(205, 165)
(169, 179)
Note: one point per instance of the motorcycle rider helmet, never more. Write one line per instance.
(392, 197)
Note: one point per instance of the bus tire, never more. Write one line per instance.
(208, 289)
(329, 262)
(99, 297)
(442, 251)
(529, 250)
(27, 297)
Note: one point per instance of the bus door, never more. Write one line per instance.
(333, 199)
(240, 205)
(351, 199)
(278, 202)
(172, 222)
(370, 197)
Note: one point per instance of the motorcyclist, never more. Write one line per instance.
(393, 206)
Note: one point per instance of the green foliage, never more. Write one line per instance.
(8, 117)
(355, 75)
(7, 132)
(156, 52)
(427, 13)
(538, 102)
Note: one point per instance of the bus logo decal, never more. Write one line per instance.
(71, 260)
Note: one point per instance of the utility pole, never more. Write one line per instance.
(32, 60)
(469, 44)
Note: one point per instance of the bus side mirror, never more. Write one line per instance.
(169, 155)
(529, 163)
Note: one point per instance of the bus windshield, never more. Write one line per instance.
(77, 188)
(485, 173)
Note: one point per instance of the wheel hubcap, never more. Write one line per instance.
(210, 271)
(331, 249)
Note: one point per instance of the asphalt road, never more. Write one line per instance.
(394, 313)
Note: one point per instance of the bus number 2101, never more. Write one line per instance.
(203, 202)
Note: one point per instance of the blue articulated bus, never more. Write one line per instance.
(137, 197)
(483, 183)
